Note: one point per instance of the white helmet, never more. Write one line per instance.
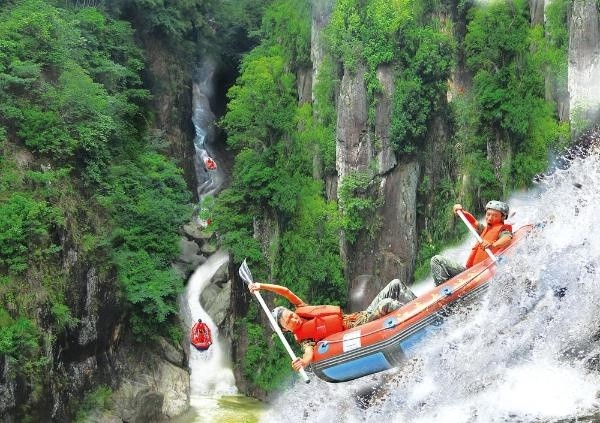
(277, 312)
(500, 206)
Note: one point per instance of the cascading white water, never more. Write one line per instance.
(203, 118)
(209, 373)
(528, 352)
(211, 377)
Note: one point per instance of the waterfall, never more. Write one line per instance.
(209, 373)
(527, 352)
(211, 377)
(210, 181)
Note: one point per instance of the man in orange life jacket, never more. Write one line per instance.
(495, 234)
(310, 324)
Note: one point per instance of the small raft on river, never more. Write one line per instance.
(389, 341)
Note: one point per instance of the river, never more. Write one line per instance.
(213, 394)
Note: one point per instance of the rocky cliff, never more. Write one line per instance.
(584, 63)
(375, 259)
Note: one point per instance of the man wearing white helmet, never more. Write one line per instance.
(310, 324)
(495, 234)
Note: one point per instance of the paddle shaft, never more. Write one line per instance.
(475, 234)
(280, 334)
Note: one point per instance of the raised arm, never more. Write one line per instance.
(279, 290)
(470, 218)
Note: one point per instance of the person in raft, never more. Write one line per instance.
(494, 234)
(201, 337)
(310, 324)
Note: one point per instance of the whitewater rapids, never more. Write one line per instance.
(529, 351)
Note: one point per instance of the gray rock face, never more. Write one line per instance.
(87, 330)
(170, 353)
(267, 232)
(193, 230)
(536, 10)
(151, 388)
(584, 63)
(385, 154)
(102, 417)
(353, 143)
(191, 256)
(215, 298)
(138, 405)
(372, 263)
(304, 83)
(8, 387)
(321, 13)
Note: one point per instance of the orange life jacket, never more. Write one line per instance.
(489, 234)
(318, 322)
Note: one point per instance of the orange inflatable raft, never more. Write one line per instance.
(387, 342)
(201, 338)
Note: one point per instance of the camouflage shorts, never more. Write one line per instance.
(390, 298)
(443, 268)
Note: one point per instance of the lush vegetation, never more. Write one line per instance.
(99, 399)
(273, 187)
(79, 175)
(80, 172)
(275, 214)
(506, 111)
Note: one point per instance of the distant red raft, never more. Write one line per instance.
(209, 163)
(391, 340)
(201, 337)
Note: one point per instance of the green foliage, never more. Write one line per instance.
(147, 201)
(317, 123)
(439, 225)
(175, 21)
(380, 32)
(272, 167)
(509, 60)
(359, 205)
(426, 60)
(18, 338)
(151, 289)
(262, 104)
(265, 363)
(33, 32)
(557, 30)
(100, 399)
(48, 93)
(274, 140)
(411, 113)
(344, 33)
(366, 32)
(62, 316)
(73, 115)
(233, 221)
(504, 88)
(20, 343)
(287, 23)
(25, 229)
(309, 262)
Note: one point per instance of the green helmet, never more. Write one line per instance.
(500, 206)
